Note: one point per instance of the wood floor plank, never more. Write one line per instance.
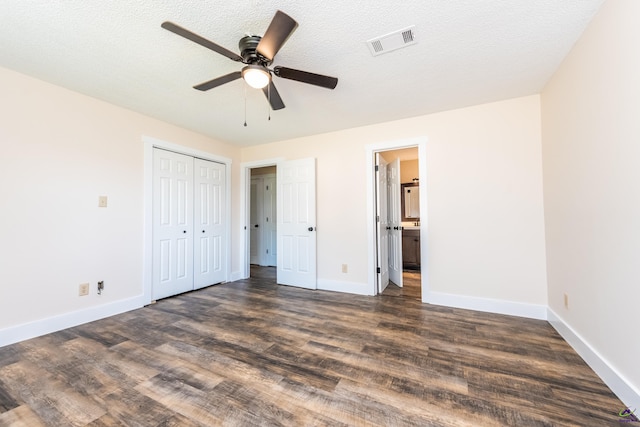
(371, 367)
(7, 401)
(267, 383)
(106, 421)
(91, 368)
(21, 416)
(132, 408)
(52, 400)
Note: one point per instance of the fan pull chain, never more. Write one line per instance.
(245, 105)
(269, 99)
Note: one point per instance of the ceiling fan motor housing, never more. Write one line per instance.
(248, 46)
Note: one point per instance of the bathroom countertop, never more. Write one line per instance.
(411, 227)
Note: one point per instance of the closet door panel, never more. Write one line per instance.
(172, 223)
(210, 220)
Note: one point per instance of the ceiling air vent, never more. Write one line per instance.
(392, 41)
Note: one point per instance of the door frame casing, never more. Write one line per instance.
(371, 149)
(149, 143)
(245, 214)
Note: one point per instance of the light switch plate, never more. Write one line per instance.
(102, 201)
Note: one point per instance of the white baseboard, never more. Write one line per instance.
(532, 311)
(48, 325)
(629, 395)
(347, 287)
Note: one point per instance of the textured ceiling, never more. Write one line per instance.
(468, 52)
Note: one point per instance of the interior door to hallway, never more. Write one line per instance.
(270, 228)
(296, 224)
(256, 206)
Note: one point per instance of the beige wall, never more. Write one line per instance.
(484, 188)
(591, 154)
(60, 151)
(408, 170)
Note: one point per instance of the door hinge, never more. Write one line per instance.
(377, 168)
(267, 219)
(267, 250)
(378, 269)
(267, 188)
(377, 218)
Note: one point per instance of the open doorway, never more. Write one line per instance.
(262, 217)
(397, 193)
(254, 177)
(262, 222)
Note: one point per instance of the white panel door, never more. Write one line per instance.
(383, 227)
(209, 259)
(255, 217)
(172, 223)
(269, 231)
(296, 223)
(395, 220)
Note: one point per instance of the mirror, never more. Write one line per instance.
(410, 202)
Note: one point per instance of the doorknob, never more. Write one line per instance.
(184, 231)
(257, 225)
(310, 228)
(388, 228)
(203, 231)
(395, 228)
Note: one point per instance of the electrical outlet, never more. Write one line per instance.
(566, 301)
(83, 289)
(345, 268)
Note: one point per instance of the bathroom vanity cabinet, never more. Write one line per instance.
(411, 249)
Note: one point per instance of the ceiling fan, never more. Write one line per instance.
(258, 53)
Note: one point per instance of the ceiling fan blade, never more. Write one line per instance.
(200, 40)
(306, 77)
(218, 81)
(273, 96)
(280, 28)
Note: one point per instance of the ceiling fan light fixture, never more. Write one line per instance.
(256, 76)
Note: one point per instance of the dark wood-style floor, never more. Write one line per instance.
(411, 286)
(254, 353)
